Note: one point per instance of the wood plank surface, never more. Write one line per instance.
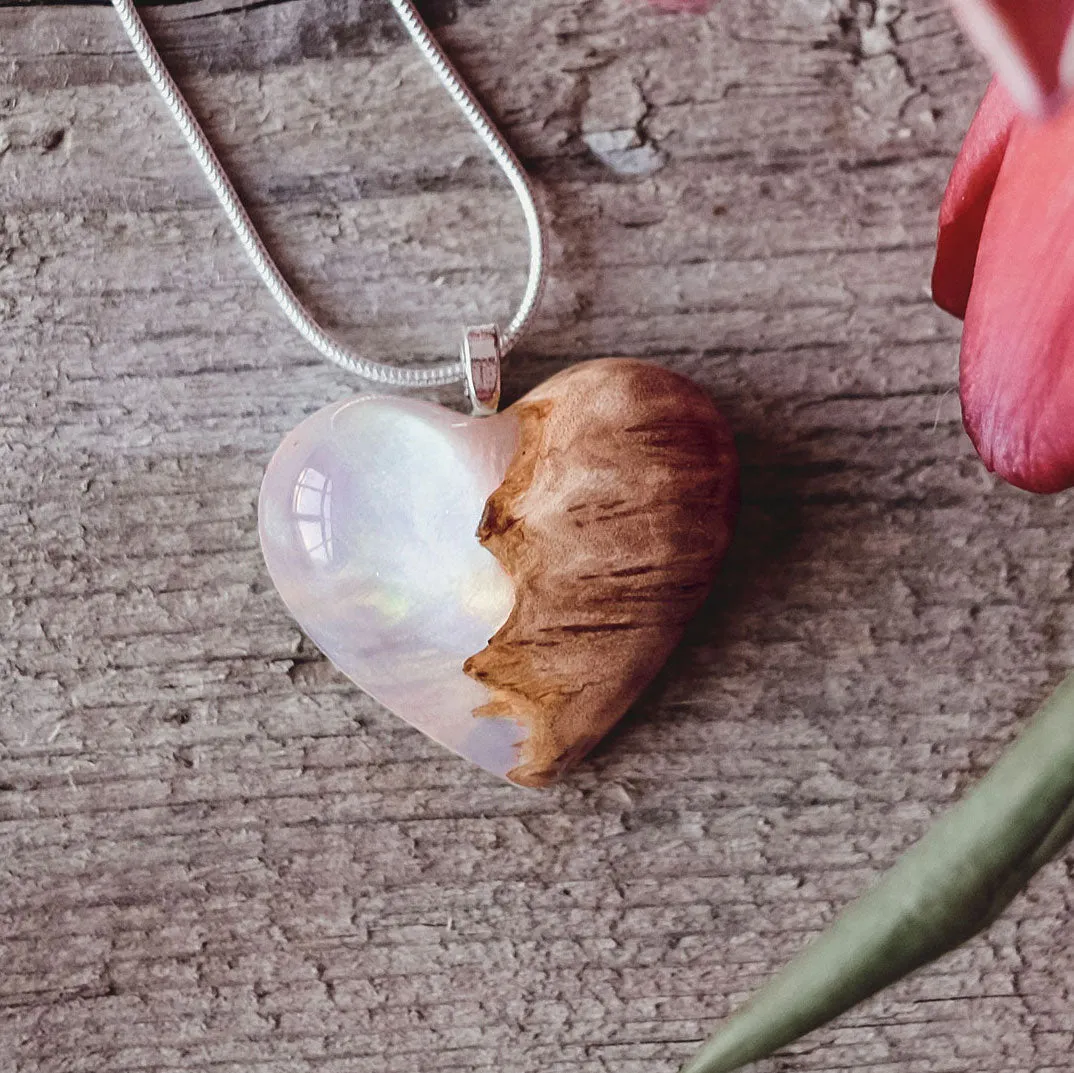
(215, 854)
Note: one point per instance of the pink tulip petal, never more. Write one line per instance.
(965, 203)
(1018, 345)
(1028, 42)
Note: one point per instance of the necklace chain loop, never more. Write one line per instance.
(413, 376)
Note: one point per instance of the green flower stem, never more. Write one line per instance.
(949, 887)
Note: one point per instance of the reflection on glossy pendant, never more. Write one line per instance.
(509, 584)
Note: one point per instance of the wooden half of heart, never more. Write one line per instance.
(509, 584)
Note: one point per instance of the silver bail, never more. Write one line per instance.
(481, 360)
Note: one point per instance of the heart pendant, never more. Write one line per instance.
(508, 584)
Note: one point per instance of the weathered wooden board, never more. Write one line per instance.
(215, 855)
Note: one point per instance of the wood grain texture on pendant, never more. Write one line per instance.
(611, 522)
(509, 584)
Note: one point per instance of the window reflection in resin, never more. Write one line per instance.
(313, 513)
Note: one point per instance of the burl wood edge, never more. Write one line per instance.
(611, 521)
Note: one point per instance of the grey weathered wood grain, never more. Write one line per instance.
(215, 854)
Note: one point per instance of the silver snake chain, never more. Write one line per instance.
(400, 376)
